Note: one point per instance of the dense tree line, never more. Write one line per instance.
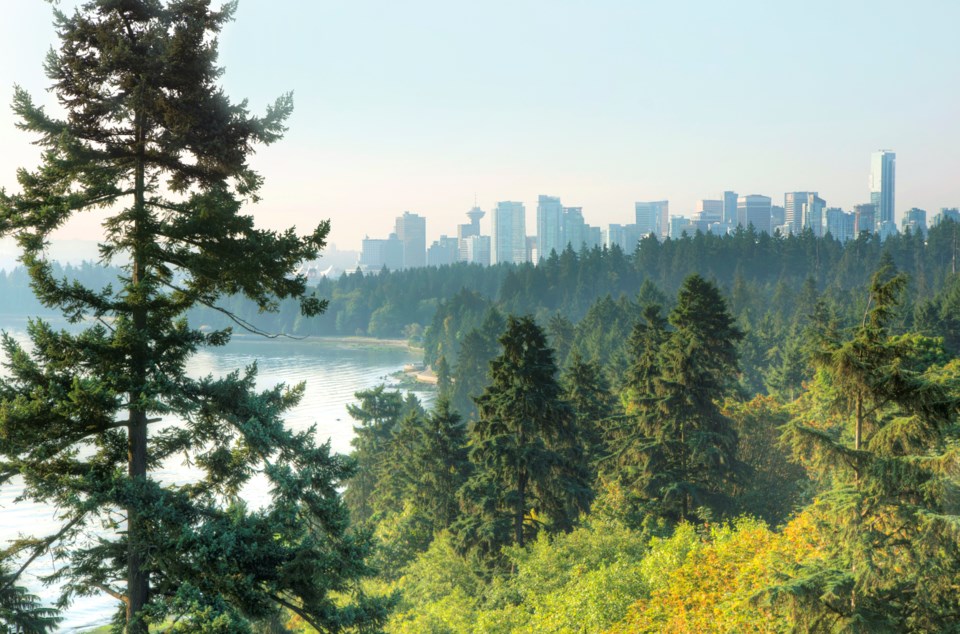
(690, 503)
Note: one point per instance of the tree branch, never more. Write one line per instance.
(39, 550)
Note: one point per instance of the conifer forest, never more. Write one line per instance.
(738, 433)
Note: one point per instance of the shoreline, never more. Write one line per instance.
(351, 340)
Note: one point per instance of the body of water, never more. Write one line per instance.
(332, 370)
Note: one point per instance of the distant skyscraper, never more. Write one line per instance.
(594, 237)
(812, 213)
(839, 224)
(754, 210)
(624, 236)
(549, 226)
(574, 228)
(916, 221)
(793, 210)
(883, 168)
(653, 217)
(443, 251)
(679, 225)
(509, 234)
(411, 229)
(710, 211)
(777, 216)
(378, 253)
(947, 213)
(472, 228)
(865, 219)
(477, 250)
(730, 208)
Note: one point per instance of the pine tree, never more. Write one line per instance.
(529, 467)
(150, 139)
(892, 555)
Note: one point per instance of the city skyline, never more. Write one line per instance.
(557, 226)
(404, 107)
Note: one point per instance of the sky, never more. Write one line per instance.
(427, 106)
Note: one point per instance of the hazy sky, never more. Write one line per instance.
(421, 106)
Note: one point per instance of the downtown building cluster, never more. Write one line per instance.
(558, 227)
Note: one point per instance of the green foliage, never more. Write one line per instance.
(891, 501)
(528, 457)
(677, 451)
(20, 611)
(150, 139)
(773, 487)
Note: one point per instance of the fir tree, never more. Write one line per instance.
(679, 453)
(149, 138)
(379, 413)
(529, 467)
(435, 464)
(20, 611)
(893, 553)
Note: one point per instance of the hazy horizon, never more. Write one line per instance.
(426, 105)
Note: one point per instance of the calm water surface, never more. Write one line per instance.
(332, 370)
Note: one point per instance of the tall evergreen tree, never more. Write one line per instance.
(890, 510)
(435, 464)
(149, 137)
(594, 406)
(681, 451)
(379, 412)
(529, 467)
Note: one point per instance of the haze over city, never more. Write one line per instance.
(428, 106)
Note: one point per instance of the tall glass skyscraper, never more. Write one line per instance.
(883, 169)
(549, 226)
(653, 217)
(412, 231)
(509, 233)
(754, 210)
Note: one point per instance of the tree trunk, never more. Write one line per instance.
(138, 580)
(521, 505)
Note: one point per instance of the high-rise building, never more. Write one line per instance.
(549, 226)
(865, 219)
(624, 236)
(777, 216)
(839, 224)
(653, 217)
(680, 225)
(916, 221)
(947, 213)
(730, 208)
(471, 228)
(754, 210)
(443, 251)
(377, 253)
(411, 229)
(710, 211)
(812, 213)
(793, 210)
(574, 228)
(594, 237)
(883, 169)
(509, 233)
(477, 250)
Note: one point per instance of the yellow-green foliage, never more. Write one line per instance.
(583, 581)
(719, 585)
